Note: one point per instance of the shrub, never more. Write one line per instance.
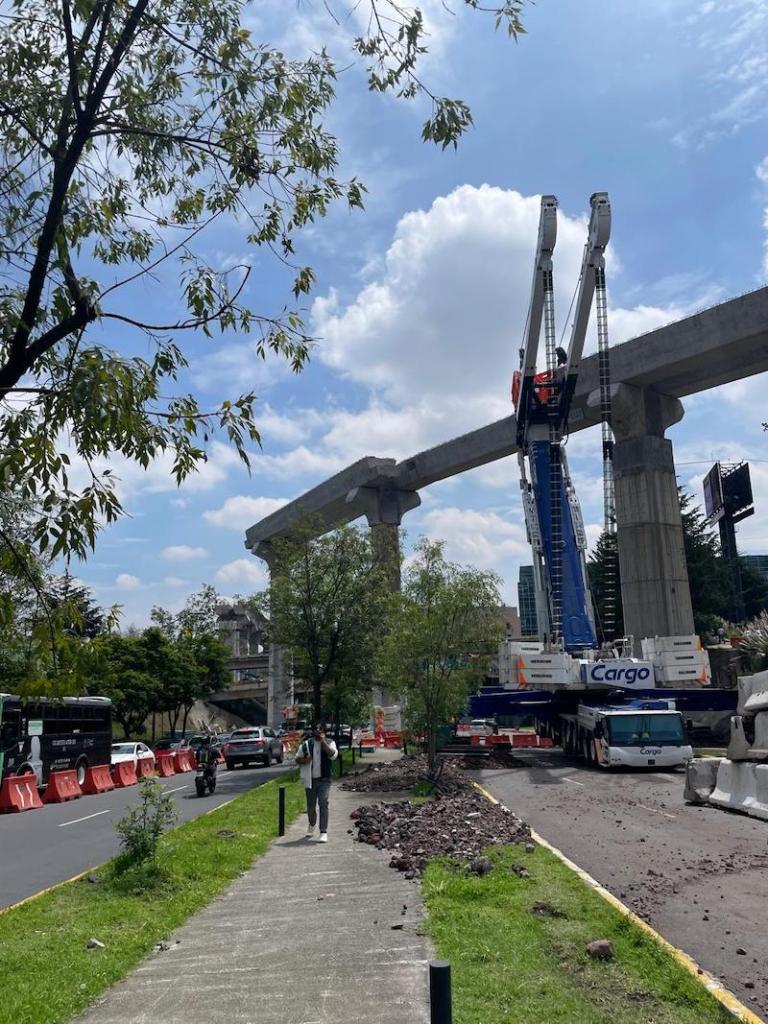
(141, 828)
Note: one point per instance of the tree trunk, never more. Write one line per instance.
(184, 721)
(317, 700)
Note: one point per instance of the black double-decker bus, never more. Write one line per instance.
(43, 736)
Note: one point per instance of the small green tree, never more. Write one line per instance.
(443, 629)
(142, 826)
(327, 601)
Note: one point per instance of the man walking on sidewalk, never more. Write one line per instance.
(315, 756)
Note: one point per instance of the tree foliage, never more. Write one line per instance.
(443, 629)
(327, 600)
(709, 575)
(128, 128)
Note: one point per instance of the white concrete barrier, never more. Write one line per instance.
(753, 694)
(742, 786)
(700, 779)
(740, 747)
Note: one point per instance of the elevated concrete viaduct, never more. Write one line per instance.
(651, 373)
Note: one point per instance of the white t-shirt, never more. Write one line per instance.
(317, 753)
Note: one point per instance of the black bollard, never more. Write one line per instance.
(440, 1008)
(353, 756)
(341, 763)
(281, 811)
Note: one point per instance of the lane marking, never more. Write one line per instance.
(723, 995)
(86, 818)
(655, 810)
(573, 782)
(178, 789)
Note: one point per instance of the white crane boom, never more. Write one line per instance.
(592, 269)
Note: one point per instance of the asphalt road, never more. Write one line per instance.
(40, 848)
(698, 875)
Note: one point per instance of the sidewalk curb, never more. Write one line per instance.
(723, 995)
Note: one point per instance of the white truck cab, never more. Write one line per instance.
(639, 734)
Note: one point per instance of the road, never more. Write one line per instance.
(40, 848)
(698, 875)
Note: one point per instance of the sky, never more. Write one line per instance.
(421, 300)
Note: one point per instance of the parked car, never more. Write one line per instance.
(167, 745)
(253, 745)
(134, 752)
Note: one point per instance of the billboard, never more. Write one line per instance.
(713, 492)
(737, 489)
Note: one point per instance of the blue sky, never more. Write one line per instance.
(421, 300)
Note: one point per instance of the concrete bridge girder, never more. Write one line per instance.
(653, 372)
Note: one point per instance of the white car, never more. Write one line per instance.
(134, 752)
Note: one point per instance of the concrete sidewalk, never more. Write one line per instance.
(305, 937)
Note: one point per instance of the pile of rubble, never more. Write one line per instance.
(405, 774)
(460, 827)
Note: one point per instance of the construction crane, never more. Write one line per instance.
(543, 400)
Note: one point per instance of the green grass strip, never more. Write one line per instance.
(46, 973)
(516, 939)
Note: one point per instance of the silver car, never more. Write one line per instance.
(256, 744)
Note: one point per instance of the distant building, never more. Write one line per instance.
(526, 602)
(510, 620)
(757, 562)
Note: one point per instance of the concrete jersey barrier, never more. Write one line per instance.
(742, 786)
(753, 694)
(700, 779)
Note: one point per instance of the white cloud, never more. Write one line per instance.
(761, 173)
(127, 582)
(480, 537)
(442, 322)
(182, 553)
(240, 511)
(731, 37)
(132, 480)
(250, 571)
(299, 461)
(174, 581)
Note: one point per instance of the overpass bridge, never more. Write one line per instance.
(651, 374)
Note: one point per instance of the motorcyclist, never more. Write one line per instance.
(208, 752)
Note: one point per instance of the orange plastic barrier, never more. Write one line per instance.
(145, 767)
(62, 786)
(98, 779)
(124, 774)
(165, 765)
(19, 793)
(183, 761)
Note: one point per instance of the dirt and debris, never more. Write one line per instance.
(600, 949)
(408, 772)
(461, 827)
(543, 909)
(405, 774)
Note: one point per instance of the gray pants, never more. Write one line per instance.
(319, 793)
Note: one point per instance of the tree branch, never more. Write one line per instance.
(74, 92)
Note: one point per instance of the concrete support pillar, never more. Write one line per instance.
(279, 679)
(384, 511)
(654, 576)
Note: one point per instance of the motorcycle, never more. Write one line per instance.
(205, 779)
